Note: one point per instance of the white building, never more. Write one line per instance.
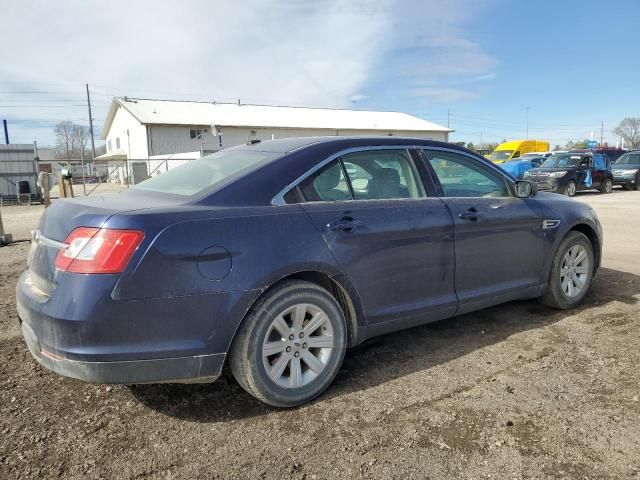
(139, 129)
(145, 131)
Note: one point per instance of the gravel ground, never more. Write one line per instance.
(516, 391)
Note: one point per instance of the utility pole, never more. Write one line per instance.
(93, 145)
(601, 133)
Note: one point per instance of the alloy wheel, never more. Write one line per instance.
(298, 345)
(574, 271)
(571, 189)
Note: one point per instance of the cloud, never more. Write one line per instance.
(443, 94)
(324, 53)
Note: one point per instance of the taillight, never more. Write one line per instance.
(98, 250)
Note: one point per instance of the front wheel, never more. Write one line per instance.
(607, 186)
(291, 345)
(571, 272)
(570, 189)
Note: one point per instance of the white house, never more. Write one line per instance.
(141, 129)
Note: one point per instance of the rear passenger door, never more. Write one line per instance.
(393, 241)
(498, 238)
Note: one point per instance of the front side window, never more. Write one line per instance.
(383, 174)
(462, 176)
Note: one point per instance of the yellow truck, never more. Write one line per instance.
(516, 148)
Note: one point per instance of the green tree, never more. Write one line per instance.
(571, 145)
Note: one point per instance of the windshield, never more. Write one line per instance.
(629, 159)
(562, 161)
(501, 154)
(207, 172)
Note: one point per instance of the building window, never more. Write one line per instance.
(196, 133)
(109, 145)
(118, 142)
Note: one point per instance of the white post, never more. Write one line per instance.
(5, 238)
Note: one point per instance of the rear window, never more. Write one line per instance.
(208, 172)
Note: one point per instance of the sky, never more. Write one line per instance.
(482, 66)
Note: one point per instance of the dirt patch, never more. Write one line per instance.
(516, 391)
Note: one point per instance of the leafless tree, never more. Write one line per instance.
(629, 130)
(81, 137)
(72, 141)
(66, 141)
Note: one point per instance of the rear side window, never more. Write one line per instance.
(208, 172)
(383, 174)
(328, 185)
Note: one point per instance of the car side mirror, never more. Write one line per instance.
(526, 189)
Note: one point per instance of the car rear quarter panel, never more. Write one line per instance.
(252, 249)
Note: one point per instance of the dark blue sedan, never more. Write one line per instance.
(277, 256)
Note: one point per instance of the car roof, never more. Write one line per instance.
(287, 145)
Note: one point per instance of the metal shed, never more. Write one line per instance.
(18, 165)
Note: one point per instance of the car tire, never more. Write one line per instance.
(570, 189)
(272, 360)
(564, 271)
(607, 186)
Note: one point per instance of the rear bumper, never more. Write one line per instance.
(80, 332)
(195, 369)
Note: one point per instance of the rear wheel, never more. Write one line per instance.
(570, 189)
(607, 186)
(291, 345)
(571, 272)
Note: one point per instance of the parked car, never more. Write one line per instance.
(518, 167)
(265, 256)
(626, 170)
(568, 173)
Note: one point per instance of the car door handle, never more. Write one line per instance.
(470, 214)
(344, 224)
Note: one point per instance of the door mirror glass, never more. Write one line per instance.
(526, 189)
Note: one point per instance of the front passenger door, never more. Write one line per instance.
(498, 237)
